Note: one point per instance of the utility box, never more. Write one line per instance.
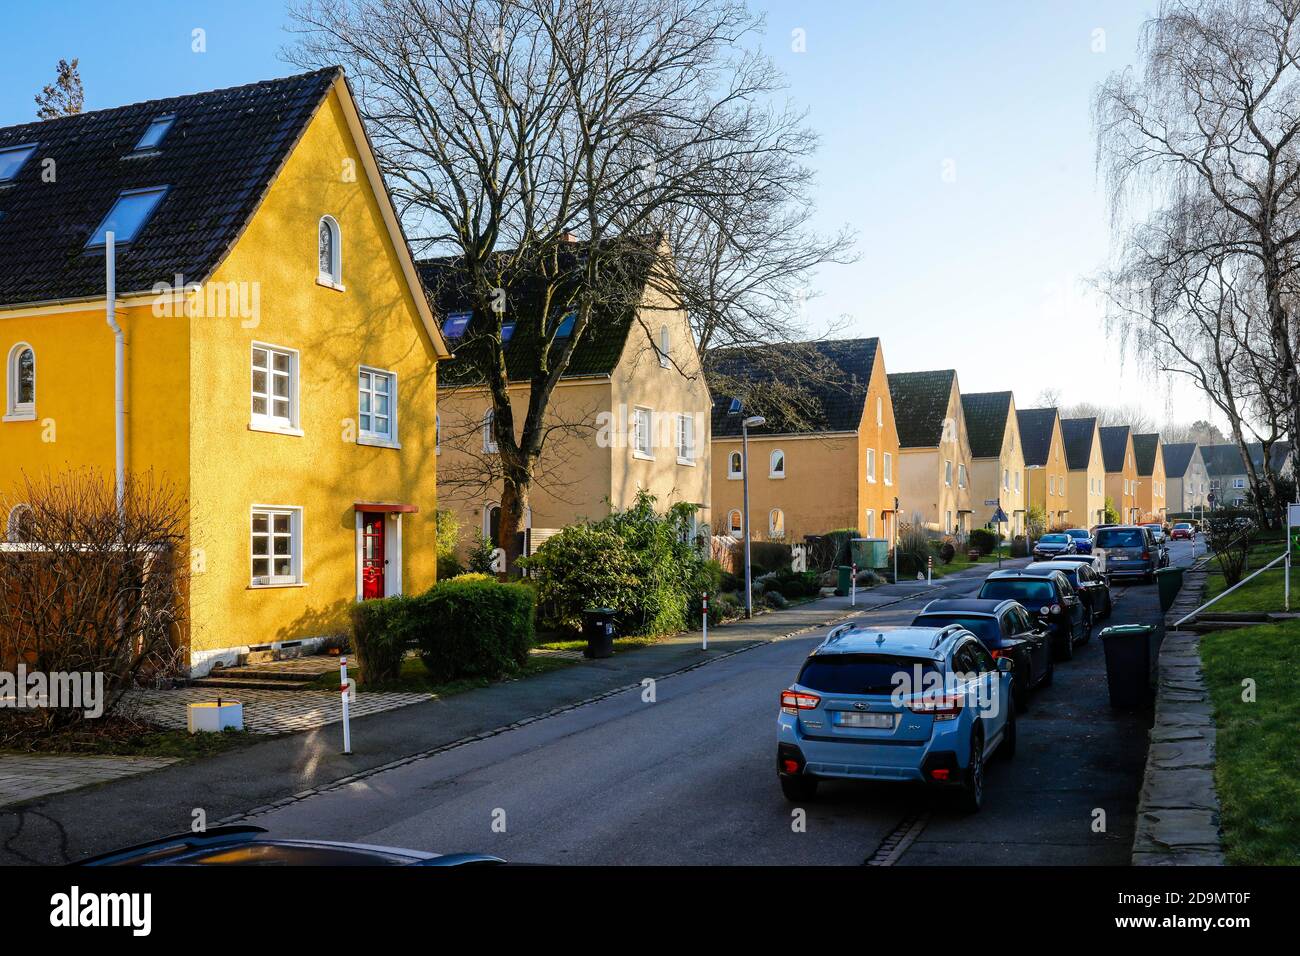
(870, 553)
(214, 716)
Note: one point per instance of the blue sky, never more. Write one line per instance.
(956, 138)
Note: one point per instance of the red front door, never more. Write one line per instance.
(372, 555)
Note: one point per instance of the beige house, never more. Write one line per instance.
(934, 451)
(832, 468)
(1087, 475)
(1121, 471)
(1189, 482)
(1149, 460)
(631, 413)
(997, 458)
(1040, 430)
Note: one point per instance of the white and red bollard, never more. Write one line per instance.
(929, 570)
(853, 587)
(705, 622)
(343, 689)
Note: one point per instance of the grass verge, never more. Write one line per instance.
(415, 679)
(1257, 766)
(123, 737)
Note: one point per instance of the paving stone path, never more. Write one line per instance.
(268, 711)
(26, 776)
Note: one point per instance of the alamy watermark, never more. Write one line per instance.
(59, 690)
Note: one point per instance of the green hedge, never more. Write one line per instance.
(984, 540)
(474, 628)
(382, 630)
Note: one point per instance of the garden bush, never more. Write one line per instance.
(913, 549)
(473, 628)
(984, 540)
(794, 584)
(382, 631)
(947, 551)
(775, 599)
(767, 556)
(1018, 547)
(447, 535)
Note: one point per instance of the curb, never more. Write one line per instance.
(1178, 808)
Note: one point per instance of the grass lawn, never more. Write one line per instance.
(961, 563)
(1257, 770)
(1262, 594)
(414, 679)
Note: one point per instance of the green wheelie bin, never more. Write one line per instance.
(1169, 581)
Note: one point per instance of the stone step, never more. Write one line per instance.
(249, 683)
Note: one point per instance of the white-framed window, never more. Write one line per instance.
(20, 404)
(871, 465)
(961, 476)
(889, 468)
(947, 522)
(1214, 484)
(734, 465)
(871, 523)
(275, 545)
(274, 400)
(642, 439)
(665, 361)
(18, 526)
(329, 253)
(1006, 479)
(880, 410)
(734, 526)
(489, 432)
(686, 439)
(776, 464)
(1051, 484)
(1239, 483)
(776, 523)
(1017, 481)
(947, 472)
(377, 406)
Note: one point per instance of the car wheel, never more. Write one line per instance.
(1089, 623)
(971, 796)
(798, 789)
(1064, 649)
(1007, 749)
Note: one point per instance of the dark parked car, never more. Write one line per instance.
(1006, 629)
(1082, 539)
(250, 846)
(1050, 599)
(1129, 551)
(1050, 545)
(1091, 585)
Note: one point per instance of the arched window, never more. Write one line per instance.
(776, 523)
(19, 525)
(492, 522)
(776, 464)
(489, 435)
(734, 526)
(21, 403)
(733, 465)
(328, 247)
(664, 360)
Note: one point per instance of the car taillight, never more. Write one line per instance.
(939, 773)
(999, 653)
(939, 706)
(1146, 555)
(794, 701)
(1056, 609)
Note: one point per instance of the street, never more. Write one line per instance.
(682, 773)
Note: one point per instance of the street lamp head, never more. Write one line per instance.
(753, 421)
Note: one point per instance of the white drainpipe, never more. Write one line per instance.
(119, 372)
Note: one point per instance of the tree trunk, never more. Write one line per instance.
(514, 506)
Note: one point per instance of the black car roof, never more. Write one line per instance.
(1043, 568)
(1015, 574)
(988, 606)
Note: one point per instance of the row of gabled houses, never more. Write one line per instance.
(289, 370)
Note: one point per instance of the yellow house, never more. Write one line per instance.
(1045, 463)
(630, 413)
(934, 451)
(1149, 462)
(1121, 471)
(997, 458)
(279, 353)
(1087, 479)
(832, 468)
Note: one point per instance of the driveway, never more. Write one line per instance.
(685, 775)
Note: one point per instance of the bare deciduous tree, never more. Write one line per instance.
(542, 144)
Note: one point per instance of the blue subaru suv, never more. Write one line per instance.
(923, 704)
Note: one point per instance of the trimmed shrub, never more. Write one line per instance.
(794, 584)
(775, 599)
(947, 552)
(474, 628)
(1018, 547)
(583, 566)
(382, 631)
(984, 540)
(765, 556)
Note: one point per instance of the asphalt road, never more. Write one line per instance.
(688, 778)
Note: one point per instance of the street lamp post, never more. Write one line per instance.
(754, 421)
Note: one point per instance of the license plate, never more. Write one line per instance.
(1118, 556)
(875, 721)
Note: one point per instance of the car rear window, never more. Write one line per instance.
(1053, 539)
(1120, 538)
(1026, 592)
(985, 628)
(1077, 533)
(860, 673)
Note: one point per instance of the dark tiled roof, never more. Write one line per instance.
(832, 398)
(1144, 452)
(986, 415)
(1178, 458)
(597, 352)
(217, 160)
(1036, 433)
(1114, 445)
(920, 406)
(1077, 434)
(1226, 459)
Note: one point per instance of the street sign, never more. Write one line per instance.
(999, 516)
(992, 502)
(1293, 527)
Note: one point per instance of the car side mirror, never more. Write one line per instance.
(1005, 665)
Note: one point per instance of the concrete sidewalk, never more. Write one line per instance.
(68, 826)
